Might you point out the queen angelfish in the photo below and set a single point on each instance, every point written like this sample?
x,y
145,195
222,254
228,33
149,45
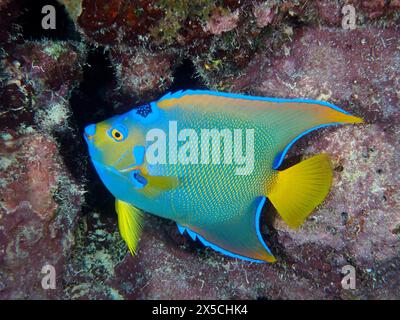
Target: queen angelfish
x,y
208,160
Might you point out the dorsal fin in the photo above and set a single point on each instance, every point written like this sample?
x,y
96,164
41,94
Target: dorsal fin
x,y
285,120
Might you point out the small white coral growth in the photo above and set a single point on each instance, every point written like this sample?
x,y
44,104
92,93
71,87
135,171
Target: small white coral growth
x,y
55,117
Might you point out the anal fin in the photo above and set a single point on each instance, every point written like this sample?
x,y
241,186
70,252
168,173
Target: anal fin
x,y
238,238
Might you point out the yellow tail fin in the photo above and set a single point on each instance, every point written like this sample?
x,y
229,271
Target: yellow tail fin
x,y
130,223
299,189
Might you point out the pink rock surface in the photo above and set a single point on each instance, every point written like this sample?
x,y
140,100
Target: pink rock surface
x,y
39,199
222,22
264,14
139,72
357,69
36,227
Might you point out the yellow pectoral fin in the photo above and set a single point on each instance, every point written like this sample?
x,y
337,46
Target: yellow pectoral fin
x,y
130,223
299,189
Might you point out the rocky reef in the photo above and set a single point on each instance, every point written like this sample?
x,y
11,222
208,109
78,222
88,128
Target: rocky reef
x,y
106,56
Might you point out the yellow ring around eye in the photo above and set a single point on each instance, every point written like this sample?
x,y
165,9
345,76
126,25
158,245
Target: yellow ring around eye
x,y
117,135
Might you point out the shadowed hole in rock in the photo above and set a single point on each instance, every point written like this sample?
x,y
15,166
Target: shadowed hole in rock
x,y
31,22
344,217
185,78
88,105
339,168
270,236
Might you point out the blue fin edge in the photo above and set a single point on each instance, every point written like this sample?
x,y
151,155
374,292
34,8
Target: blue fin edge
x,y
206,243
181,93
281,155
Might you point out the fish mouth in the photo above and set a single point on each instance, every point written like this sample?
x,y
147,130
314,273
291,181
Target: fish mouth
x,y
88,137
91,148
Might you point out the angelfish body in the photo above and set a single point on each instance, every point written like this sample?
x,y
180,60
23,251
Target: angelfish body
x,y
218,203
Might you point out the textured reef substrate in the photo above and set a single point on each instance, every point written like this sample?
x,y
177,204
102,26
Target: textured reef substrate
x,y
106,56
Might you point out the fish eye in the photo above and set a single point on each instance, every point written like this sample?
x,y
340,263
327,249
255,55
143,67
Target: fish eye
x,y
118,133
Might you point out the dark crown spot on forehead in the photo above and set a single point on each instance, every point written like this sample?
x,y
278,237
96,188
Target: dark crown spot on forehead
x,y
144,110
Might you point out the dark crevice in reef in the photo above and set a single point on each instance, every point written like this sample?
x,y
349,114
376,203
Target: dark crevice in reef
x,y
31,22
185,78
88,101
89,105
